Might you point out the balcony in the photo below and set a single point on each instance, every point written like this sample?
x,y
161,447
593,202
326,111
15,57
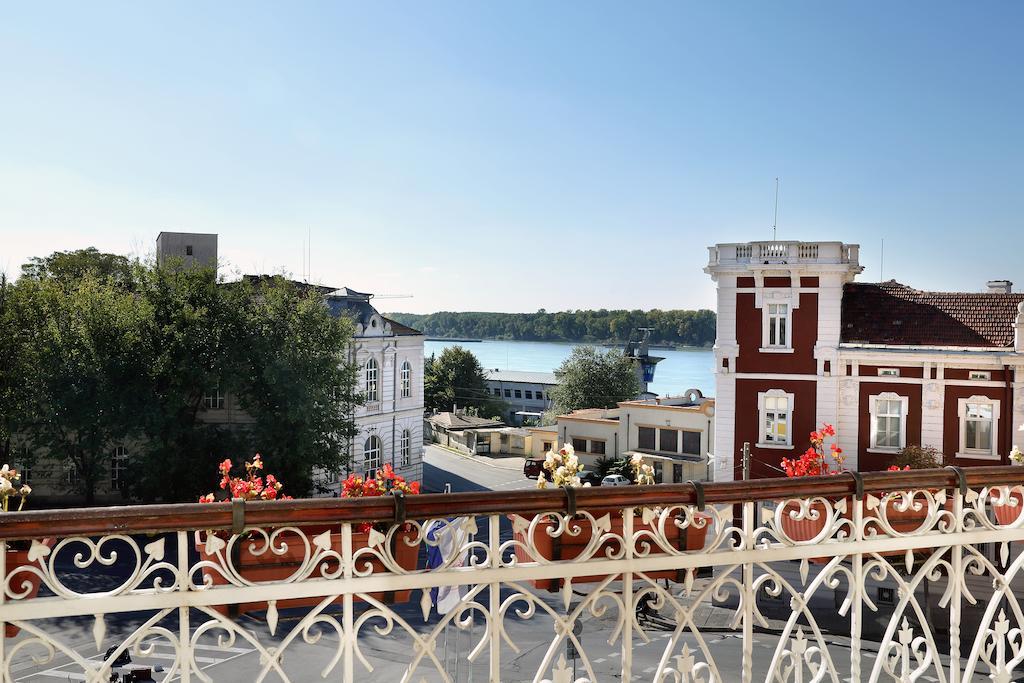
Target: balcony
x,y
780,580
783,253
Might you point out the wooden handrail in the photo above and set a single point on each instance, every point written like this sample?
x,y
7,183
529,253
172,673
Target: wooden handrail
x,y
173,517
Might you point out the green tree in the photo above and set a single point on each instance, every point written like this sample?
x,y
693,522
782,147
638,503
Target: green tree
x,y
69,267
298,382
455,378
196,341
590,378
17,366
90,350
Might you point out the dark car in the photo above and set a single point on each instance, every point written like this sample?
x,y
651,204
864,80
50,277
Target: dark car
x,y
590,477
532,468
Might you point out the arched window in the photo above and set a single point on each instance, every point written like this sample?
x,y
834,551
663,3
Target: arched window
x,y
405,446
372,383
406,380
371,457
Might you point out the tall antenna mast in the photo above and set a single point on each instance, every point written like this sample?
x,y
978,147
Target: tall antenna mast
x,y
775,219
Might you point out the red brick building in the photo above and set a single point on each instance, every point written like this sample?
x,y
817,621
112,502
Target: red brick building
x,y
800,343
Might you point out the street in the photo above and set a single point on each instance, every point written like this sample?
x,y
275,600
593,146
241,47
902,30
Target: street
x,y
471,473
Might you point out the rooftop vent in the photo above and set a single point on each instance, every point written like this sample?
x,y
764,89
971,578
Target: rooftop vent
x,y
1000,287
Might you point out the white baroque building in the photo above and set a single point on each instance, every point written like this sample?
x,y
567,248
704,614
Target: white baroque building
x,y
389,356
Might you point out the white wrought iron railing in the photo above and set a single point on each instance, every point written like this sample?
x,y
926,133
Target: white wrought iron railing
x,y
775,580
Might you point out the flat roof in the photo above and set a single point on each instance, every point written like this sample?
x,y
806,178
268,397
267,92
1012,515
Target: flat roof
x,y
521,376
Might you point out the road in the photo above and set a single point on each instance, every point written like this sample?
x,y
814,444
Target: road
x,y
471,473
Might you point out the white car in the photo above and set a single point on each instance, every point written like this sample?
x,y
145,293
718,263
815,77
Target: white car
x,y
615,480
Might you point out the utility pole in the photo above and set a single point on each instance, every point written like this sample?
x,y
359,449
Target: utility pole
x,y
746,461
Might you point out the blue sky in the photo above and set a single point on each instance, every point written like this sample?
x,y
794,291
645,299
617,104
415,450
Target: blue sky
x,y
487,156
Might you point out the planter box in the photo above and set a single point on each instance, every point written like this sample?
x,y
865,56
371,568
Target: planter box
x,y
568,547
803,530
270,567
1008,514
20,558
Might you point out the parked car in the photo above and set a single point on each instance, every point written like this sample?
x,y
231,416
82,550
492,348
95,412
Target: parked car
x,y
590,477
615,480
532,468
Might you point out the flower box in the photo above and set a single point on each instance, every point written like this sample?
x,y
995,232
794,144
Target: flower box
x,y
1008,513
569,546
803,530
269,567
24,557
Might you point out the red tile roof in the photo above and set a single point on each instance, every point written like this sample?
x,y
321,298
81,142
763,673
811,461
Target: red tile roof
x,y
895,314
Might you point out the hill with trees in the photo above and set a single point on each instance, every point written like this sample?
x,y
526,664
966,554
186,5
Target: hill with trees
x,y
672,328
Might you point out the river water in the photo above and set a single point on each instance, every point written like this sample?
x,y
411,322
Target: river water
x,y
682,369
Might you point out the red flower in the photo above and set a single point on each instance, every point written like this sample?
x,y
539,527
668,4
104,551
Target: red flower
x,y
224,467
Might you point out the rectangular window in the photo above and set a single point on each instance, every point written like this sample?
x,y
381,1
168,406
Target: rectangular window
x,y
888,423
119,469
978,427
778,317
888,372
691,443
979,375
579,445
677,474
776,419
529,394
597,447
508,393
497,392
188,250
519,393
213,400
549,446
646,436
668,440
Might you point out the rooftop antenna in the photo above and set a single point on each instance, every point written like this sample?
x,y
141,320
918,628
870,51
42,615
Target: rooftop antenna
x,y
775,219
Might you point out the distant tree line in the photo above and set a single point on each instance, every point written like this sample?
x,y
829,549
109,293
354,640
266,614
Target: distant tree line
x,y
673,328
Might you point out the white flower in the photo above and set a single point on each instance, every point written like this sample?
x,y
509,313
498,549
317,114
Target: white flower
x,y
636,460
1016,455
5,486
567,449
25,490
542,481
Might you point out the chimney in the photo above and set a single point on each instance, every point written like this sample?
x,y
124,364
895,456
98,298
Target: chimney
x,y
1018,334
1000,287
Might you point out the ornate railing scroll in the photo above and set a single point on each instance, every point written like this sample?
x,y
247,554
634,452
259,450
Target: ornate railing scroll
x,y
882,576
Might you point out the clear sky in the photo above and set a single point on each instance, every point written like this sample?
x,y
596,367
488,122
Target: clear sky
x,y
519,155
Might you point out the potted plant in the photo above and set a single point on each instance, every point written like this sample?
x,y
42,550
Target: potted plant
x,y
814,462
270,557
20,554
562,468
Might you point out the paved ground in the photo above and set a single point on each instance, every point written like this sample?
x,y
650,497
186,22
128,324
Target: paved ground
x,y
471,473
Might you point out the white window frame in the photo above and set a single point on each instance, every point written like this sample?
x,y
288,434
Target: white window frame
x,y
873,412
406,379
974,453
118,468
767,317
371,377
214,400
762,414
373,450
405,448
